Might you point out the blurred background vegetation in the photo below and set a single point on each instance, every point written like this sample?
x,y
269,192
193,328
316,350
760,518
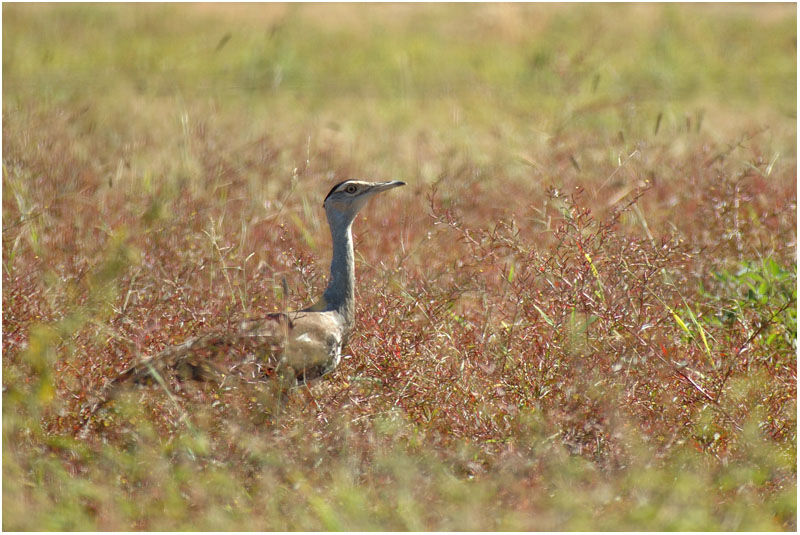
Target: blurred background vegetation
x,y
144,144
491,79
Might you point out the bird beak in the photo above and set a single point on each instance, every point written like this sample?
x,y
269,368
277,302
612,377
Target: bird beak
x,y
383,186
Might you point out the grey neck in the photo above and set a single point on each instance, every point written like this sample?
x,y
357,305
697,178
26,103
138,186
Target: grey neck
x,y
339,295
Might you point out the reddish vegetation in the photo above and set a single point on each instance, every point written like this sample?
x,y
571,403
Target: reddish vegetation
x,y
541,319
509,298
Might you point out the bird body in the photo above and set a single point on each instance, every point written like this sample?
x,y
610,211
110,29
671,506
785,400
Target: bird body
x,y
295,346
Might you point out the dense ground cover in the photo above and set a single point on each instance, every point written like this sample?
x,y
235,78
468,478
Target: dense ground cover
x,y
580,314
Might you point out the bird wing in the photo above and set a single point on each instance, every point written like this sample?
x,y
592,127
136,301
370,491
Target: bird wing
x,y
206,357
297,347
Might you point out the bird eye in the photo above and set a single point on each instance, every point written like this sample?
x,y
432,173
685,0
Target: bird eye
x,y
351,189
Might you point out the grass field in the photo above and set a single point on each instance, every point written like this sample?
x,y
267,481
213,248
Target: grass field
x,y
580,314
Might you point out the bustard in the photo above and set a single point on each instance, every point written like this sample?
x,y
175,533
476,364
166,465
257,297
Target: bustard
x,y
295,346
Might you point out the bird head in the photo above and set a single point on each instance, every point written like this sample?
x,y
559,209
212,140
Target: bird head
x,y
347,198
